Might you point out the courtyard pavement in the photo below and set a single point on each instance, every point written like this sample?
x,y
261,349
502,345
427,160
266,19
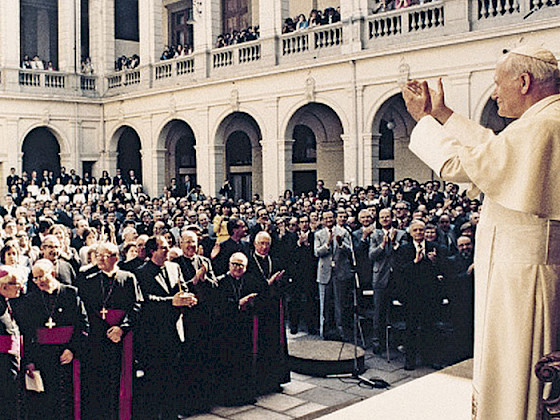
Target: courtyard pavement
x,y
308,397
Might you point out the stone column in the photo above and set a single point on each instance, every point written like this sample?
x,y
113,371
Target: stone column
x,y
217,167
9,33
271,175
207,27
457,92
457,16
10,43
102,36
353,14
68,35
375,157
350,147
272,14
151,31
367,159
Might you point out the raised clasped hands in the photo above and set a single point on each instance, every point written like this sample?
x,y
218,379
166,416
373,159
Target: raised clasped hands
x,y
420,101
200,274
184,299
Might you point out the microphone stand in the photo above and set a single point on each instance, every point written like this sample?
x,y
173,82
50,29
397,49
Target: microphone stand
x,y
374,382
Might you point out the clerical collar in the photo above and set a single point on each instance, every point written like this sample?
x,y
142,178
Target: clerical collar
x,y
110,274
260,256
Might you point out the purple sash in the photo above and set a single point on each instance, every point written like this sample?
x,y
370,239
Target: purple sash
x,y
114,317
62,335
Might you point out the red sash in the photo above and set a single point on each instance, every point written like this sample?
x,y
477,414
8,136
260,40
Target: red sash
x,y
114,317
57,336
10,344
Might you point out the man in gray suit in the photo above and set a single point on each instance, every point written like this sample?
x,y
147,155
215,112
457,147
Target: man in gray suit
x,y
383,246
334,273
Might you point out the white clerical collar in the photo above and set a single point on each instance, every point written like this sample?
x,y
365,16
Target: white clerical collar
x,y
259,255
109,274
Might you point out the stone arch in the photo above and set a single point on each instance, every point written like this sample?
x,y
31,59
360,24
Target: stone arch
x,y
246,179
178,139
327,128
391,126
41,150
128,148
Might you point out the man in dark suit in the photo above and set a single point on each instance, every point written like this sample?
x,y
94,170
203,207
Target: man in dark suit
x,y
418,265
9,207
224,250
12,178
383,246
161,331
321,192
304,296
460,289
118,177
385,197
446,234
50,248
334,274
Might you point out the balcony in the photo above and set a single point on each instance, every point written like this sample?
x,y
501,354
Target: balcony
x,y
416,24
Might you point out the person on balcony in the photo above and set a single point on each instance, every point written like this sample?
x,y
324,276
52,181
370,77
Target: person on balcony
x,y
302,23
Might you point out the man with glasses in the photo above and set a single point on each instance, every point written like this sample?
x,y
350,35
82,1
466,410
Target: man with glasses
x,y
236,306
221,253
55,327
113,300
51,249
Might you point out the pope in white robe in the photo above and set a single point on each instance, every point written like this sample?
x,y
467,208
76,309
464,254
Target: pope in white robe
x,y
517,256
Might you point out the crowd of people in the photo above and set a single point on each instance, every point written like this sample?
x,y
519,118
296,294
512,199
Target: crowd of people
x,y
36,63
127,63
195,291
387,5
316,18
172,51
251,33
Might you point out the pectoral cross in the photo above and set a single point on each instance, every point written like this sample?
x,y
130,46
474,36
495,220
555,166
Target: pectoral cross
x,y
103,312
50,323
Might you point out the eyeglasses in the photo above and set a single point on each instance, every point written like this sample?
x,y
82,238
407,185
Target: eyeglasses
x,y
106,255
237,264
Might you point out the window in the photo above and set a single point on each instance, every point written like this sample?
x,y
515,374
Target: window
x,y
304,149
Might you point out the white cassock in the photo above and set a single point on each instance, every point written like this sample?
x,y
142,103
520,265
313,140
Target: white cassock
x,y
517,255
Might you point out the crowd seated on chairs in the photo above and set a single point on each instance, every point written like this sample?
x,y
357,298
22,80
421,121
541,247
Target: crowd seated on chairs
x,y
251,33
316,18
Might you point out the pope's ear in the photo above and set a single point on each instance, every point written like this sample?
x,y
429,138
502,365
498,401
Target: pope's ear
x,y
526,82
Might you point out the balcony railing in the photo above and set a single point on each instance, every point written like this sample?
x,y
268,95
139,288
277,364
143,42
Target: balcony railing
x,y
236,55
172,68
427,19
42,79
395,27
320,40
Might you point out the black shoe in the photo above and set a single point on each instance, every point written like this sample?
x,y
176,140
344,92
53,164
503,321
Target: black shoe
x,y
377,348
294,330
409,366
